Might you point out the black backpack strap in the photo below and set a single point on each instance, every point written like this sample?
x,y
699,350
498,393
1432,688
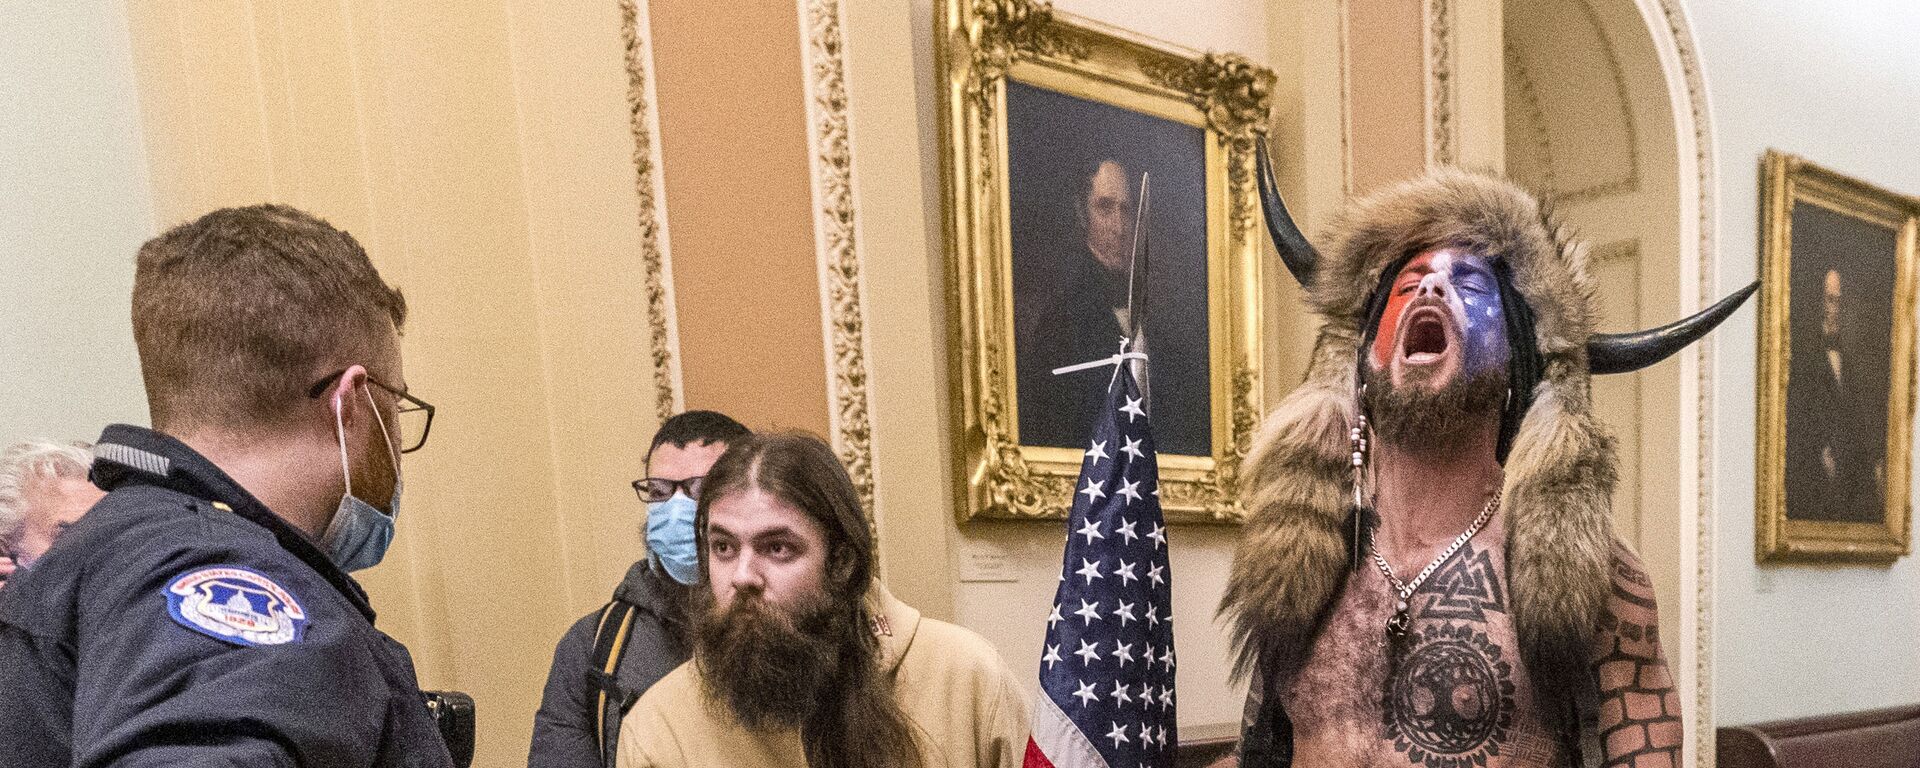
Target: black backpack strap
x,y
609,644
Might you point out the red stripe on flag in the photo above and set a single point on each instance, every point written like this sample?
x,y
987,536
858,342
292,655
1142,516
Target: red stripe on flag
x,y
1035,758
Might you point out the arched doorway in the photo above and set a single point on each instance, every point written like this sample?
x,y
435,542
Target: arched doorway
x,y
1603,112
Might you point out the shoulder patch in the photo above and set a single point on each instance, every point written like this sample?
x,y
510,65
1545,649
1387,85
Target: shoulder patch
x,y
236,605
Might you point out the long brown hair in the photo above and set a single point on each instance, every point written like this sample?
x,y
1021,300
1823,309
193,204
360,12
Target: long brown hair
x,y
800,470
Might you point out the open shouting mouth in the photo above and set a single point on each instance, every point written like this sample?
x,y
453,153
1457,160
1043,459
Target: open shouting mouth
x,y
1429,338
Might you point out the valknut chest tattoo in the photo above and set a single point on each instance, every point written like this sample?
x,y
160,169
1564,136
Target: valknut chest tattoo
x,y
1450,695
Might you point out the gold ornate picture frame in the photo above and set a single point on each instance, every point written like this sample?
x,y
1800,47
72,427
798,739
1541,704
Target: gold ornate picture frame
x,y
1031,99
1836,366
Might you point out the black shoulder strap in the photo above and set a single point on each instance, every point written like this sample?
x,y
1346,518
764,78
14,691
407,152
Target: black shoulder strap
x,y
609,643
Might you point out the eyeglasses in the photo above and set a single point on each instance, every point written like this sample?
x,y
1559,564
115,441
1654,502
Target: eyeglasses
x,y
414,414
653,489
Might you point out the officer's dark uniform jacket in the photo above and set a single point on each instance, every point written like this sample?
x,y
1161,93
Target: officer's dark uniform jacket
x,y
112,649
563,732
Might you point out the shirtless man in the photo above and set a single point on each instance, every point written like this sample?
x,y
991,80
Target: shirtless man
x,y
1429,576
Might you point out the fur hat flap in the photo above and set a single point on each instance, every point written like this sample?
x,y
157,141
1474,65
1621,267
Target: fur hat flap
x,y
1559,489
1296,485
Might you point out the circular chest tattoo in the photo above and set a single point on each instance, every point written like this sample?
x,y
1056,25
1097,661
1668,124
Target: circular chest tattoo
x,y
1449,700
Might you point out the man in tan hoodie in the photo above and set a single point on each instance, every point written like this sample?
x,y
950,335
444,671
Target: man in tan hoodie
x,y
800,656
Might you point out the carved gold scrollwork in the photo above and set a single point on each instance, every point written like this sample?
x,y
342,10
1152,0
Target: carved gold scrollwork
x,y
986,43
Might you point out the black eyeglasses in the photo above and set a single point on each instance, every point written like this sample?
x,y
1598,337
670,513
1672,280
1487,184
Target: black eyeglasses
x,y
415,415
652,489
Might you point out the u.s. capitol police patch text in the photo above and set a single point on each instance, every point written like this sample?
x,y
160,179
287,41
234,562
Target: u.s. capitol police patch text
x,y
237,605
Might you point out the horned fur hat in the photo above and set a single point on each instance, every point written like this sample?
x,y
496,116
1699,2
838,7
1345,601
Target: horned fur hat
x,y
1297,482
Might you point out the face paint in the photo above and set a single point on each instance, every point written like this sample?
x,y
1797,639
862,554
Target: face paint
x,y
1444,302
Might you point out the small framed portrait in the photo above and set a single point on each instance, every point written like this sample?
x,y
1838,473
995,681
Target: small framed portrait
x,y
1836,366
1050,123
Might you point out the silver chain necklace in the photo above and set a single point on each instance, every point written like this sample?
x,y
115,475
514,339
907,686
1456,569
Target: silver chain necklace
x,y
1397,626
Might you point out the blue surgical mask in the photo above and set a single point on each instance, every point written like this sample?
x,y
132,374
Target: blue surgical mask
x,y
670,537
360,533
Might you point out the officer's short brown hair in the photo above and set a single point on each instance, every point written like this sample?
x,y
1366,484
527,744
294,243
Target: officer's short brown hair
x,y
237,313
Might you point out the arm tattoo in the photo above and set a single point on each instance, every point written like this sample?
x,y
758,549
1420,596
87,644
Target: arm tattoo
x,y
1639,710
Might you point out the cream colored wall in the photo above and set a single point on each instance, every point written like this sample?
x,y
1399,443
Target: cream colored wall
x,y
77,206
481,153
1836,84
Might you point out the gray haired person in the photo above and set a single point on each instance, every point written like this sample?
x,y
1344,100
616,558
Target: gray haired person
x,y
43,489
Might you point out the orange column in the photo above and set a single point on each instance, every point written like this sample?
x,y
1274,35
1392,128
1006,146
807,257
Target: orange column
x,y
733,147
1386,78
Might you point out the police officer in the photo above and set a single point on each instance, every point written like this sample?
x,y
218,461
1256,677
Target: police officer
x,y
202,613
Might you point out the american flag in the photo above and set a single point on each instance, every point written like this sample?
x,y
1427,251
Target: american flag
x,y
1106,670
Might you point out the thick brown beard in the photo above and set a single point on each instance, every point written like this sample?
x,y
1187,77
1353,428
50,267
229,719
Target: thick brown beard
x,y
1422,419
766,666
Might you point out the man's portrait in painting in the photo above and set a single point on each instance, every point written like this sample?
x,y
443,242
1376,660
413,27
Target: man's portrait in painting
x,y
1839,373
1073,179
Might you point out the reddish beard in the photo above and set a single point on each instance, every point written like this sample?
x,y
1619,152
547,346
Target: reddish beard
x,y
1423,416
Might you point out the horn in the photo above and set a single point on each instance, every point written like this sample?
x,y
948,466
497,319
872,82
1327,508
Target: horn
x,y
1629,352
1299,255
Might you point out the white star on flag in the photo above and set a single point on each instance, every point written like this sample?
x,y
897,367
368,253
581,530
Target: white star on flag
x,y
1091,530
1113,506
1087,653
1089,569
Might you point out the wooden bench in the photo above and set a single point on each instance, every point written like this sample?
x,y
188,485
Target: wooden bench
x,y
1881,738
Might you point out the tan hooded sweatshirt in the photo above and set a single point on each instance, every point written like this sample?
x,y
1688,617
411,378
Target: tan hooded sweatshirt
x,y
965,706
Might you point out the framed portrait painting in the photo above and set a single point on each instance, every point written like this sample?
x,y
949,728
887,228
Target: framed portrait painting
x,y
1049,124
1836,366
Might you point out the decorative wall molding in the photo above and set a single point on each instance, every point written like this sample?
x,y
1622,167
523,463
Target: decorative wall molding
x,y
842,289
1442,88
656,264
1535,114
1346,104
1539,134
1666,16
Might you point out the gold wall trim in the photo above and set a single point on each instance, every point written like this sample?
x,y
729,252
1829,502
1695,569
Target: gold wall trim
x,y
984,43
1442,87
655,264
844,309
1346,103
